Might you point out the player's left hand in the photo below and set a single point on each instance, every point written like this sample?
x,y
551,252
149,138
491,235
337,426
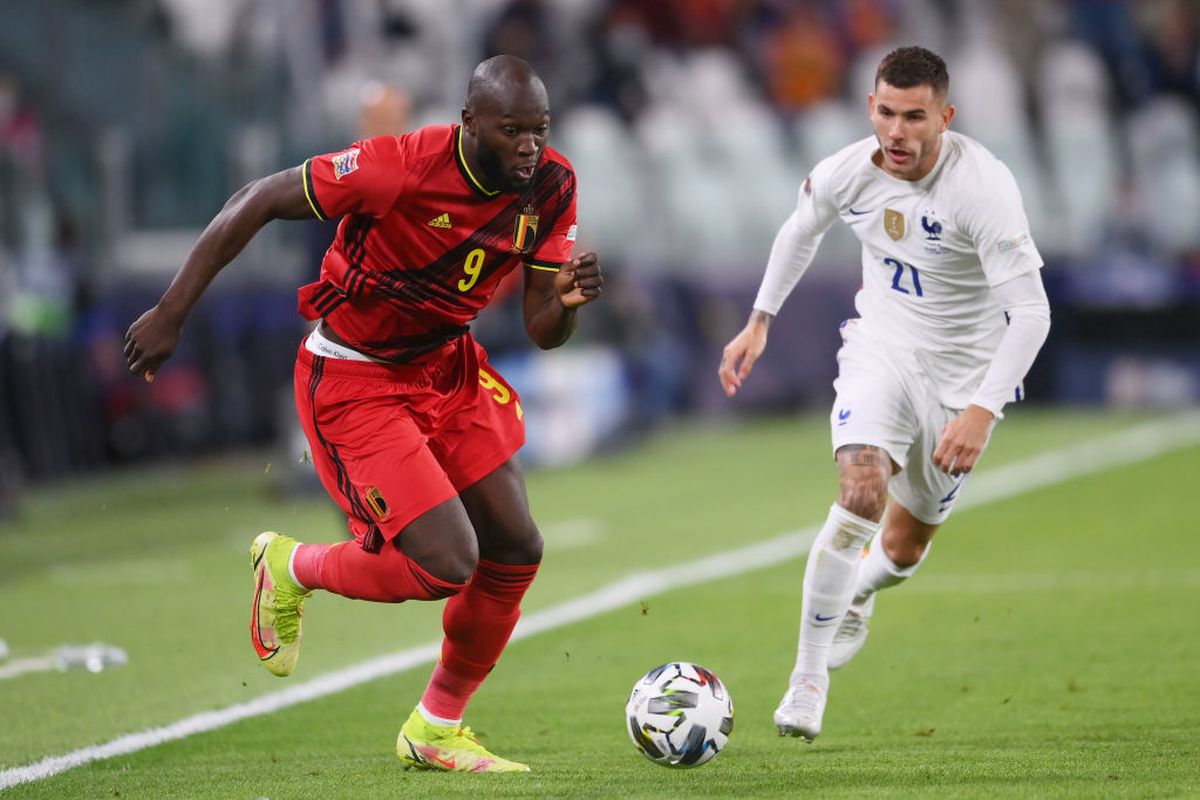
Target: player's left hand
x,y
579,282
962,441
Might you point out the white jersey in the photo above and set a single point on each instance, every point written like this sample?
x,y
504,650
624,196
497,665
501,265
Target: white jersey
x,y
931,251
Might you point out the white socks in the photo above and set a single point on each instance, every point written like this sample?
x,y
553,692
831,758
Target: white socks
x,y
434,719
879,572
829,585
292,568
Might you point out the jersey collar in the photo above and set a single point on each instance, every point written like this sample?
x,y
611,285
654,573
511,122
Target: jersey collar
x,y
461,159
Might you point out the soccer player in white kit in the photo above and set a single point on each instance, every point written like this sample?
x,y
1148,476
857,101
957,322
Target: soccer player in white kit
x,y
952,313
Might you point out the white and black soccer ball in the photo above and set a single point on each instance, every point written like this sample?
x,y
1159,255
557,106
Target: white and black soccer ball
x,y
679,715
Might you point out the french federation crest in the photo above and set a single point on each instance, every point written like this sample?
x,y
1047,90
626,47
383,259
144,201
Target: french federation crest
x,y
525,231
893,223
932,226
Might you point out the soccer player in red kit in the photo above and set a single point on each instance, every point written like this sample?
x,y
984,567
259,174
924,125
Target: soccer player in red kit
x,y
412,433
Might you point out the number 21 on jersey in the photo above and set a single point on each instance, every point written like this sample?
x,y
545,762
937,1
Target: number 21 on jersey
x,y
902,281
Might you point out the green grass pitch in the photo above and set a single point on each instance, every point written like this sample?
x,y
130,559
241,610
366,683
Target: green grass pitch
x,y
1049,647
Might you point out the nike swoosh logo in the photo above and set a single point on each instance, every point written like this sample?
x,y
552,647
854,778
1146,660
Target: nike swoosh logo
x,y
859,213
820,618
260,647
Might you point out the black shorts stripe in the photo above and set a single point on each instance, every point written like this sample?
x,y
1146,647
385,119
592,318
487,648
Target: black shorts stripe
x,y
343,477
431,589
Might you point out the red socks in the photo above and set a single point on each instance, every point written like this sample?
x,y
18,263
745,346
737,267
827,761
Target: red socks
x,y
477,622
478,618
388,576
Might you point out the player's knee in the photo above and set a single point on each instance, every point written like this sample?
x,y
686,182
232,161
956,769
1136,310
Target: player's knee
x,y
450,564
864,496
906,550
528,547
456,567
519,542
442,542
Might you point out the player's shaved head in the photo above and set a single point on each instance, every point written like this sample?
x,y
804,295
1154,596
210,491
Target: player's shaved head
x,y
499,79
506,121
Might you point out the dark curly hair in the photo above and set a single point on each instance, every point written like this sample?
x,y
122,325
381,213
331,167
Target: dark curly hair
x,y
906,67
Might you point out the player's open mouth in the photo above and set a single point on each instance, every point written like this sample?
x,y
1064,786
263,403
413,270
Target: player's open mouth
x,y
526,172
899,156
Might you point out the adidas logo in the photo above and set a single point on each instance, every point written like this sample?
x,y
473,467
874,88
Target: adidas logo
x,y
440,221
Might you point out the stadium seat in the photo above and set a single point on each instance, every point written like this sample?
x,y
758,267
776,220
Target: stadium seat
x,y
821,131
1081,149
606,161
691,197
1164,146
991,106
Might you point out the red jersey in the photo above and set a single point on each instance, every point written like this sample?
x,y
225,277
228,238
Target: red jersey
x,y
423,244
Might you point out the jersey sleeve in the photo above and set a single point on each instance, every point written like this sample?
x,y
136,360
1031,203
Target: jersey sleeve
x,y
1000,229
556,249
796,242
364,179
816,207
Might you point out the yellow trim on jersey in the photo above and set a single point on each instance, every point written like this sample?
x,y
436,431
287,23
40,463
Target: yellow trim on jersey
x,y
304,175
462,159
542,268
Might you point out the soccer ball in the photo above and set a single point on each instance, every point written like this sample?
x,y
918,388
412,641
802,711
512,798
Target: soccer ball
x,y
679,715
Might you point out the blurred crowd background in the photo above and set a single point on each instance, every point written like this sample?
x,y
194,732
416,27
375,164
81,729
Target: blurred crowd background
x,y
125,124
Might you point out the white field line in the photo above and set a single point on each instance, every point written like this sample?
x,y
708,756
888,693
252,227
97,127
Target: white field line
x,y
23,666
1125,447
572,533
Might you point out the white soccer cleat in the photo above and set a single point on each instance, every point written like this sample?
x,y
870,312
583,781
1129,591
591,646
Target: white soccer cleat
x,y
801,709
851,633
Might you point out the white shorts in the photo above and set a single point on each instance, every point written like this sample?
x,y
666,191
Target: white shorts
x,y
880,403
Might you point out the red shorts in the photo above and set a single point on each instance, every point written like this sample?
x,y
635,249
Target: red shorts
x,y
391,441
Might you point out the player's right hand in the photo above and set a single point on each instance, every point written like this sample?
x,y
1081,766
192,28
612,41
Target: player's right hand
x,y
150,341
740,354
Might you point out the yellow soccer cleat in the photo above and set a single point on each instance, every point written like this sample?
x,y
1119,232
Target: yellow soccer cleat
x,y
278,604
451,748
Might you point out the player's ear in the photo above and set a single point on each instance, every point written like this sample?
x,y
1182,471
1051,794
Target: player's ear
x,y
468,121
947,115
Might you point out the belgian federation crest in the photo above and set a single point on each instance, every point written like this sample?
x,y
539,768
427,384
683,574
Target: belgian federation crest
x,y
525,231
376,503
893,223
